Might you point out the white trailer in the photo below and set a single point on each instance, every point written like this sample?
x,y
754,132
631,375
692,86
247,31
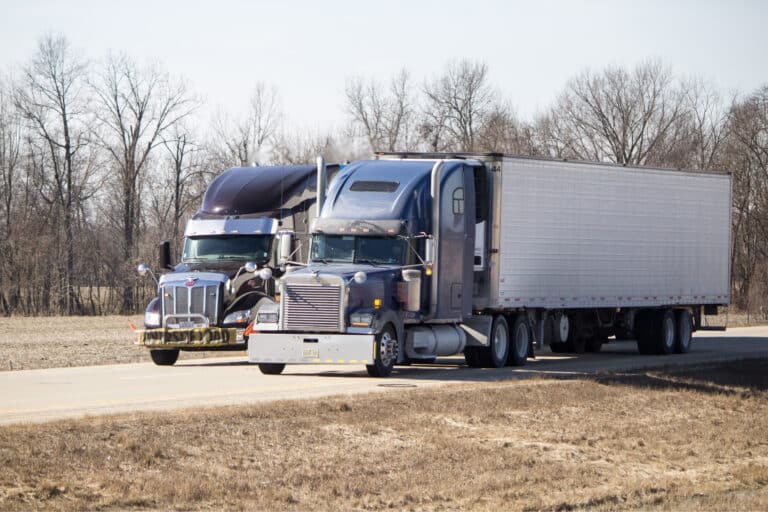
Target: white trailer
x,y
585,235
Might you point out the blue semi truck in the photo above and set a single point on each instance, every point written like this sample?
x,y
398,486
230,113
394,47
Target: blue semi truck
x,y
416,256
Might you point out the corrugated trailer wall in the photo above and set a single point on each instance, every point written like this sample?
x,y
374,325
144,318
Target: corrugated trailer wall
x,y
593,235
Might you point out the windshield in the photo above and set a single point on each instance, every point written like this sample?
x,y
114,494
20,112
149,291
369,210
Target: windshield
x,y
233,248
358,249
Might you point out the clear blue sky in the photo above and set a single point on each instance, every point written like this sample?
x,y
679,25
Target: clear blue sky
x,y
307,49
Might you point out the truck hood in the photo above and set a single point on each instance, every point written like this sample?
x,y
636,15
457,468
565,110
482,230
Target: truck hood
x,y
380,283
195,276
348,270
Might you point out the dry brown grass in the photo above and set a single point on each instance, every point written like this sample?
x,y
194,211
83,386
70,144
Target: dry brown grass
x,y
687,442
55,342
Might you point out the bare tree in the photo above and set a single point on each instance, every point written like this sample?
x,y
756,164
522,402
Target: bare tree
x,y
385,115
52,97
625,117
707,117
137,107
10,156
747,153
185,173
241,139
457,106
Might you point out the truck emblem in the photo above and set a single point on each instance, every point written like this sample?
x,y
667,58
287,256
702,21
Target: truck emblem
x,y
190,281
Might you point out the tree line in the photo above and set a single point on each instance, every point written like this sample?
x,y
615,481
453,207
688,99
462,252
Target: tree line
x,y
101,160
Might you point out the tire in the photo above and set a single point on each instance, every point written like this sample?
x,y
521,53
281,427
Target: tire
x,y
473,357
271,368
576,343
596,342
386,353
560,332
521,342
164,357
656,332
498,348
558,348
684,332
665,341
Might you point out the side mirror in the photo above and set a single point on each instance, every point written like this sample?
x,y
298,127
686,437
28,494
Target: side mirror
x,y
164,258
284,246
143,269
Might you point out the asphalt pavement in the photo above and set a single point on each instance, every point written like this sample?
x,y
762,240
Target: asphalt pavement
x,y
44,395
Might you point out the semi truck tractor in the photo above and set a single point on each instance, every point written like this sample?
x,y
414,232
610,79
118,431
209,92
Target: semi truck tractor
x,y
416,256
251,229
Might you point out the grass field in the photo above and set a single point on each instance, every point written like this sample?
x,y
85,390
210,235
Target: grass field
x,y
689,440
53,342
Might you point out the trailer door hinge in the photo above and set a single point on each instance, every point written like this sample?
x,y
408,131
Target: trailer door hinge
x,y
493,251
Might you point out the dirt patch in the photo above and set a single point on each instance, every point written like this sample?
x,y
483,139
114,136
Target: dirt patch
x,y
521,445
54,342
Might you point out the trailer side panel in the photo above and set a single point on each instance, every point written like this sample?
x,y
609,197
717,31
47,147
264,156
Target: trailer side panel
x,y
578,235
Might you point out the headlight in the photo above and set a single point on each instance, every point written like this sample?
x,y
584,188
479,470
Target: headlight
x,y
268,314
151,319
238,317
361,318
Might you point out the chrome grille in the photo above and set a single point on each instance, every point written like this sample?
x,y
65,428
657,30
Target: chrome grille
x,y
192,300
312,307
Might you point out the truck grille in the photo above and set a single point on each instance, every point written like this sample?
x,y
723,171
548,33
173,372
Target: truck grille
x,y
189,300
312,307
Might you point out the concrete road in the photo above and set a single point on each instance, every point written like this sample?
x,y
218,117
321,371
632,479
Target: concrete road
x,y
43,395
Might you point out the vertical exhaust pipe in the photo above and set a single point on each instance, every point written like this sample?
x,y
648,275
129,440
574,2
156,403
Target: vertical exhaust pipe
x,y
321,184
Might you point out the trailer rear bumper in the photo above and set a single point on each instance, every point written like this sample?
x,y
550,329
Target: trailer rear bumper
x,y
194,338
307,348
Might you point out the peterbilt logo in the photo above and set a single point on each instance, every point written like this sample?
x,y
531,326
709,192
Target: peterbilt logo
x,y
190,281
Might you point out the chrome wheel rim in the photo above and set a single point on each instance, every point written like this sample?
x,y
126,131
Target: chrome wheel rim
x,y
387,349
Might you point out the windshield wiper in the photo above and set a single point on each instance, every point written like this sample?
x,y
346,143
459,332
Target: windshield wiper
x,y
368,261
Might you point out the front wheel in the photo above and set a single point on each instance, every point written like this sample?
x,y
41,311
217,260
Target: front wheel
x,y
164,357
271,368
386,353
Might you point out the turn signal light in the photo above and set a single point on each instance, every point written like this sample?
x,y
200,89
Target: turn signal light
x,y
249,330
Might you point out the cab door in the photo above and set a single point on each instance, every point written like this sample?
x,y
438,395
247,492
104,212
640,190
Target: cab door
x,y
455,242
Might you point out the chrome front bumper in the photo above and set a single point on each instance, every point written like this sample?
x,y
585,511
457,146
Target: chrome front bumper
x,y
307,348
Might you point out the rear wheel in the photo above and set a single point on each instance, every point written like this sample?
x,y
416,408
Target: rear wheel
x,y
684,332
666,341
271,368
655,331
164,357
386,353
561,329
521,341
499,346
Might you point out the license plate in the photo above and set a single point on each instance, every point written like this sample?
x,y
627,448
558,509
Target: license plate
x,y
312,352
186,325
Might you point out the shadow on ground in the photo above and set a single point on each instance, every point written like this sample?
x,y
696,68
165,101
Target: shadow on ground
x,y
740,377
